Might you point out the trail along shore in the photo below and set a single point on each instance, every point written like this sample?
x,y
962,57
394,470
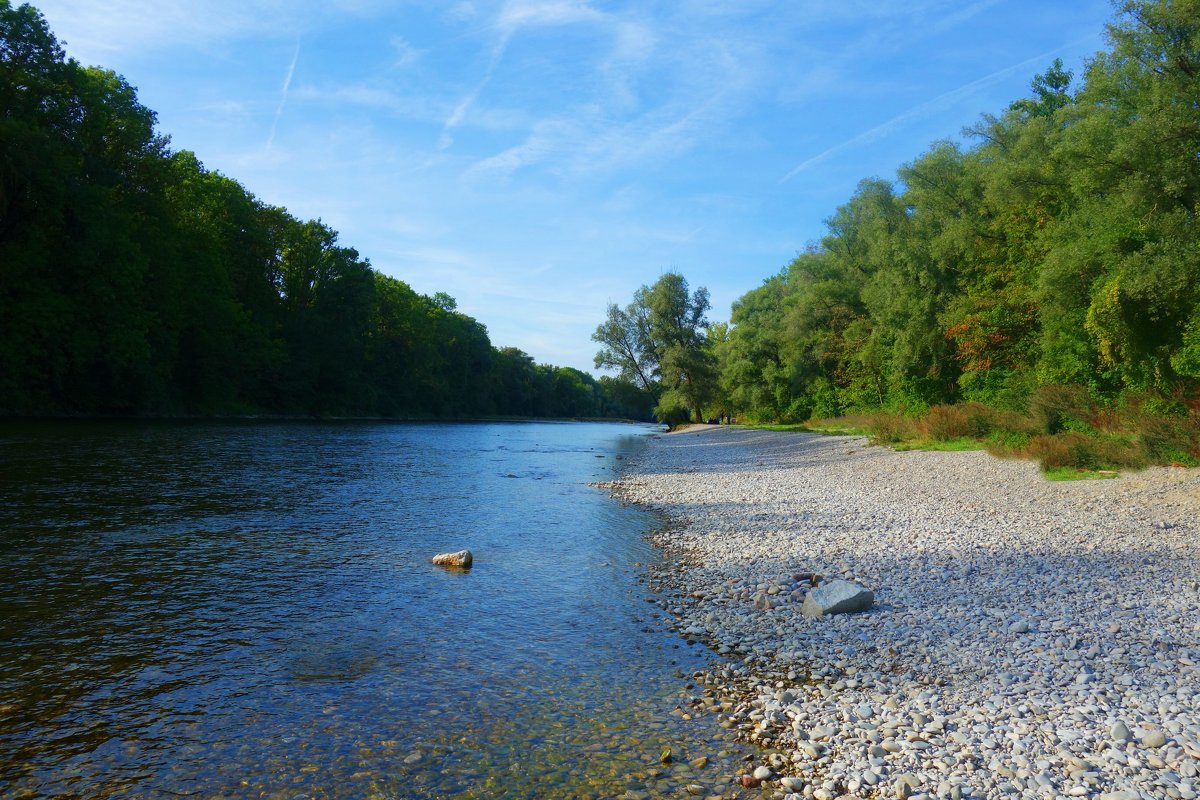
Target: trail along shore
x,y
1029,639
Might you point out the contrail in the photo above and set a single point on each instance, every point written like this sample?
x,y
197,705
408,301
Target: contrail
x,y
924,110
460,111
287,83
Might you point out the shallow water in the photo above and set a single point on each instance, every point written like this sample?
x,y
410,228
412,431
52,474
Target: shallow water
x,y
248,610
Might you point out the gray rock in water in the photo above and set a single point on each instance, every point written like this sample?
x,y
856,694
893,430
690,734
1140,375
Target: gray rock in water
x,y
461,560
837,597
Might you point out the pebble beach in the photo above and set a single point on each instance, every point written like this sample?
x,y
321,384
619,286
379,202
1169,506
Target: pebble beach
x,y
1029,638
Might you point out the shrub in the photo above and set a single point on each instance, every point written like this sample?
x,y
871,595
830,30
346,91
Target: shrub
x,y
825,401
1007,443
1167,437
890,428
1080,451
1053,408
968,420
672,409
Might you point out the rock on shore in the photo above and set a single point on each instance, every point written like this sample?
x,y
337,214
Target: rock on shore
x,y
1029,638
837,597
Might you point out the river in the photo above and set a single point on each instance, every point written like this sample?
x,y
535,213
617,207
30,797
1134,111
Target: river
x,y
248,610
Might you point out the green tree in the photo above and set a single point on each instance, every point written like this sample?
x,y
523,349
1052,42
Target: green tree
x,y
658,341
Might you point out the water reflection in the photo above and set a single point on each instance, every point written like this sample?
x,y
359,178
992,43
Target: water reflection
x,y
248,610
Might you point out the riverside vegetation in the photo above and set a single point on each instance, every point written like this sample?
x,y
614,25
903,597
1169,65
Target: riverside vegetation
x,y
1038,290
133,280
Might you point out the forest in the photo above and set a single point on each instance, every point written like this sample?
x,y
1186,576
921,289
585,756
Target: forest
x,y
135,281
1049,267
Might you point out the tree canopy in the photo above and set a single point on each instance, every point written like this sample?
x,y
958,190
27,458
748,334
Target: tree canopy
x,y
660,343
134,280
1061,247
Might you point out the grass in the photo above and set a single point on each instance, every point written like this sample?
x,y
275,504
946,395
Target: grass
x,y
841,426
785,427
1076,474
957,444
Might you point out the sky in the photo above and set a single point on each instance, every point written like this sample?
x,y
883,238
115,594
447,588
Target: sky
x,y
539,159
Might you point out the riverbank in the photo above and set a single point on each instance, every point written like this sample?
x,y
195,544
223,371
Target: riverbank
x,y
1029,638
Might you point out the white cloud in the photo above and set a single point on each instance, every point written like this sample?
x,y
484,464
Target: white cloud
x,y
514,16
517,14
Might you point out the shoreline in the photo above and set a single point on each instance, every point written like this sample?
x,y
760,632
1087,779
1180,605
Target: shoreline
x,y
1030,638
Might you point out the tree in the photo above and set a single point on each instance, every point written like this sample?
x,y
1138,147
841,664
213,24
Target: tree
x,y
1051,93
625,337
658,341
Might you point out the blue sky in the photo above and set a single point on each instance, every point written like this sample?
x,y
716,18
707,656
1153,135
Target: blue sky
x,y
537,159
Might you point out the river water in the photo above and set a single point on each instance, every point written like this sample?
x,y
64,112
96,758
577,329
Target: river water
x,y
248,610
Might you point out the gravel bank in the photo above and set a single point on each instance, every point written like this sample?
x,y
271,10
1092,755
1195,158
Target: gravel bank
x,y
1030,639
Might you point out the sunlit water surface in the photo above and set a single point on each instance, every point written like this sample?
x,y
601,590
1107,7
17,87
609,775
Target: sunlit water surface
x,y
248,610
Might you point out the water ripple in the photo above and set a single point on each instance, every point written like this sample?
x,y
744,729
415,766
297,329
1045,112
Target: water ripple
x,y
249,610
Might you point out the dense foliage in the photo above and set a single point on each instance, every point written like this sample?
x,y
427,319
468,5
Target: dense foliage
x,y
134,280
1061,249
660,343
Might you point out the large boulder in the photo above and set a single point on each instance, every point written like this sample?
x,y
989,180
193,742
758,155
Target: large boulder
x,y
837,597
460,560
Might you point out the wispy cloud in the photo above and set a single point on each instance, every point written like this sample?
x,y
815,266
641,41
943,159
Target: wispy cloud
x,y
694,90
406,54
924,110
287,84
961,15
514,16
521,13
96,32
464,105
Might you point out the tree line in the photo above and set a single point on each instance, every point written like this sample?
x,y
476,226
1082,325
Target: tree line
x,y
1059,249
133,280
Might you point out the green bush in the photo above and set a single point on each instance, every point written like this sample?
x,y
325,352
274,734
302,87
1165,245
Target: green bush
x,y
825,401
1080,451
1167,438
1054,408
1007,442
672,409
